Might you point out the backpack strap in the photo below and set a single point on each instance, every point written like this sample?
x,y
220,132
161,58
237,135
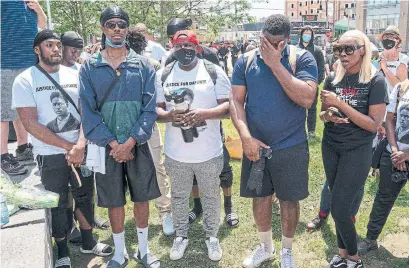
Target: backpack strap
x,y
250,56
166,71
211,70
293,58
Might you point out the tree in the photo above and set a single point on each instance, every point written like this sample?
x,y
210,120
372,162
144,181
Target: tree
x,y
82,16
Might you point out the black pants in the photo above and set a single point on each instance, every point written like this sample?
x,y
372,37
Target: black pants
x,y
385,198
312,115
225,65
346,173
55,176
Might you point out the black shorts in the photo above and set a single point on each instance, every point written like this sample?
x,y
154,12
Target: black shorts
x,y
285,174
55,176
138,174
226,176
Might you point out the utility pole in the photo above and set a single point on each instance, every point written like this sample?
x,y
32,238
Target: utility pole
x,y
49,22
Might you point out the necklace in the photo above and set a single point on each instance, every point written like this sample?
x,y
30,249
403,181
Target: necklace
x,y
355,80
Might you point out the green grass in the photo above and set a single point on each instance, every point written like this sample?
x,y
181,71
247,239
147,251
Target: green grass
x,y
311,249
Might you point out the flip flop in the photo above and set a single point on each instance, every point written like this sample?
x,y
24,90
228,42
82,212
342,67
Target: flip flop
x,y
101,223
232,219
115,264
98,250
148,261
63,262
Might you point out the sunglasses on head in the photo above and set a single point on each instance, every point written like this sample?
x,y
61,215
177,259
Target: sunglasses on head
x,y
349,49
112,24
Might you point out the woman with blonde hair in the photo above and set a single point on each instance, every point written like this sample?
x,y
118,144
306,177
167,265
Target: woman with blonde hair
x,y
353,107
393,63
393,164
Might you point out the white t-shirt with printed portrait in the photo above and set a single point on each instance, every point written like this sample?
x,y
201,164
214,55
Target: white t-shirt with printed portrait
x,y
402,117
209,143
32,88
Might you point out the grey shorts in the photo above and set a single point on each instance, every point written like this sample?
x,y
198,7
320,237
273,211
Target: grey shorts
x,y
285,174
7,79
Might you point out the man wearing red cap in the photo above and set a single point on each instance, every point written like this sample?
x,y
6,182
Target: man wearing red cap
x,y
193,144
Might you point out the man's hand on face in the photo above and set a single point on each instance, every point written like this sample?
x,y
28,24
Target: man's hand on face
x,y
271,55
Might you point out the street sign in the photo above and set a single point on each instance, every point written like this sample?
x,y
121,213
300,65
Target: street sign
x,y
309,17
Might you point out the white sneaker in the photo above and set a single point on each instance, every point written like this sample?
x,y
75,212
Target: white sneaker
x,y
178,248
213,248
287,259
257,257
167,225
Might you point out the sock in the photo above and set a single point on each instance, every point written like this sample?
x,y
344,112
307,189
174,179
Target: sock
x,y
120,250
286,242
322,214
142,241
88,241
267,239
197,205
62,247
227,204
21,148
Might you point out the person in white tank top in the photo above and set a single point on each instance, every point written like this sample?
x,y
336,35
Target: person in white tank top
x,y
392,63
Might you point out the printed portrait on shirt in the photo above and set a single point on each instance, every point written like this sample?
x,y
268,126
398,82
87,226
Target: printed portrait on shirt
x,y
403,129
64,120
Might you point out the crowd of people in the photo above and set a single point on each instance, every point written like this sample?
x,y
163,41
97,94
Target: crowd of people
x,y
100,119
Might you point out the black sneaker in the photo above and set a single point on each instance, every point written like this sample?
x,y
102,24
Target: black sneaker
x,y
338,262
26,155
367,245
316,223
355,264
11,166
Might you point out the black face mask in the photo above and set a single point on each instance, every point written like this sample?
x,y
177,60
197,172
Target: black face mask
x,y
185,56
388,44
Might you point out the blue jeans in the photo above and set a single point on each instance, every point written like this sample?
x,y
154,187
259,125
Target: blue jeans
x,y
325,203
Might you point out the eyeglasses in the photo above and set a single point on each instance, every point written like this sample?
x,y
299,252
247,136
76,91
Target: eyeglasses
x,y
349,50
112,25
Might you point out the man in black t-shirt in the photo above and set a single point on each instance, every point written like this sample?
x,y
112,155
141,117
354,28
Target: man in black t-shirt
x,y
234,54
222,52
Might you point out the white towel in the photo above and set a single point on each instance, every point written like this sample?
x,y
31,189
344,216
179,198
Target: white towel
x,y
96,158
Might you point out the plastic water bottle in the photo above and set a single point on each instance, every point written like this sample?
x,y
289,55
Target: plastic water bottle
x,y
4,212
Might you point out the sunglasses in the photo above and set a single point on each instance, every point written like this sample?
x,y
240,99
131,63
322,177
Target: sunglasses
x,y
349,50
112,24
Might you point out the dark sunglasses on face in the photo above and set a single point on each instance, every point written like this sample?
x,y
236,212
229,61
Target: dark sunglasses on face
x,y
112,24
349,50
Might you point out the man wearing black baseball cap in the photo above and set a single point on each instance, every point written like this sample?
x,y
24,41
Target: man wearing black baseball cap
x,y
72,47
46,98
117,91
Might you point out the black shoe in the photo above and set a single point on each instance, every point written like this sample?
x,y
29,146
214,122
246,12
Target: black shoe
x,y
338,262
367,245
26,155
75,237
355,264
316,223
11,166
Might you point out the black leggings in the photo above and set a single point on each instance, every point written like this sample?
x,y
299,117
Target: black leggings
x,y
346,173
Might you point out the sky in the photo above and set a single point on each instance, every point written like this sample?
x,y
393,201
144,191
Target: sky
x,y
265,8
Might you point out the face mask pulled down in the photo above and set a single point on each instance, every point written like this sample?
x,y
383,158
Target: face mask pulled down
x,y
185,56
388,44
109,43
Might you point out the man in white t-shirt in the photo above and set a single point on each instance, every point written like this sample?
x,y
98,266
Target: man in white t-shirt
x,y
153,50
73,45
191,148
51,116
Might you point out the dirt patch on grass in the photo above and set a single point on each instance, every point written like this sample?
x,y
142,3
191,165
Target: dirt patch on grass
x,y
397,244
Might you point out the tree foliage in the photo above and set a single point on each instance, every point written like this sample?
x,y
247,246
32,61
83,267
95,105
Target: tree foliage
x,y
82,16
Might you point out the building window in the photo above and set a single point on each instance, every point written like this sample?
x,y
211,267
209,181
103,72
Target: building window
x,y
346,5
306,12
306,3
312,11
292,14
300,4
352,5
312,2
